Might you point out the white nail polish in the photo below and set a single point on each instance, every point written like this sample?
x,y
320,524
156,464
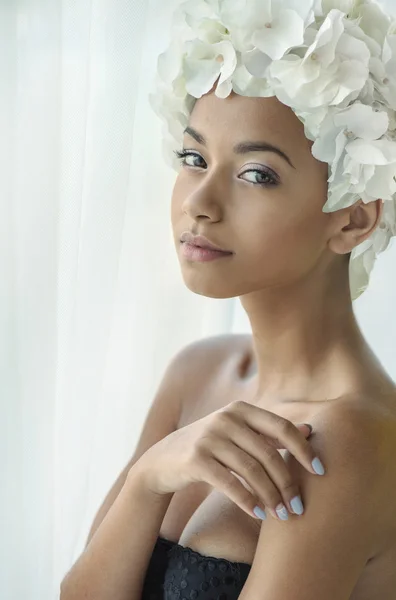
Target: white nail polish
x,y
281,511
317,466
259,513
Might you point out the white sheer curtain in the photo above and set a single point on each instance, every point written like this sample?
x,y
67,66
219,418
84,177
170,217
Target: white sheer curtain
x,y
92,305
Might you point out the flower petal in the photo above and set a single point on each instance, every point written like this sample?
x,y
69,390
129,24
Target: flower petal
x,y
286,31
200,74
256,62
352,48
169,63
382,185
327,147
247,15
377,152
204,63
229,63
246,85
345,6
327,38
363,121
373,21
304,9
350,79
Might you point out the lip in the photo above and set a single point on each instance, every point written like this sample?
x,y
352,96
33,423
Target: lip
x,y
201,242
198,254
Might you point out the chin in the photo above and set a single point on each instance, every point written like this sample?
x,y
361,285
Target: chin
x,y
207,286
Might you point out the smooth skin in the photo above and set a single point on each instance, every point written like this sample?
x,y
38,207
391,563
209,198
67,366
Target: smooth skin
x,y
289,268
290,260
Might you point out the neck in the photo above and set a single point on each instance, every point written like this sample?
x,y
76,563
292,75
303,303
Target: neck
x,y
307,345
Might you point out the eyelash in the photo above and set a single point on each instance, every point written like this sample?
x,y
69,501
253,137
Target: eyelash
x,y
182,154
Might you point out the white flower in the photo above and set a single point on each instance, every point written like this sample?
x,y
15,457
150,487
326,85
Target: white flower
x,y
283,30
373,21
353,28
339,126
264,30
346,6
377,152
374,164
169,64
361,164
245,84
389,217
312,120
280,33
202,20
240,17
333,70
382,184
203,63
367,172
384,71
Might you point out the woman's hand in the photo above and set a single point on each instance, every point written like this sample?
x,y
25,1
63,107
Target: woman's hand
x,y
240,438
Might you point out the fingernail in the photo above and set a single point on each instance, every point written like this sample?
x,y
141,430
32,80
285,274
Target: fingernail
x,y
297,505
317,466
259,513
281,511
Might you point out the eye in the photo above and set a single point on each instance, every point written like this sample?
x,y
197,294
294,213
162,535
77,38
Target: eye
x,y
272,179
183,154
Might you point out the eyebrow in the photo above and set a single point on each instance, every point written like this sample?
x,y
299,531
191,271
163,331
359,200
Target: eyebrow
x,y
242,147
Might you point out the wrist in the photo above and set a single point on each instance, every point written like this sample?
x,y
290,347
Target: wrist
x,y
139,479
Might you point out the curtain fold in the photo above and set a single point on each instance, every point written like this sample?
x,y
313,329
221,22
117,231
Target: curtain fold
x,y
93,305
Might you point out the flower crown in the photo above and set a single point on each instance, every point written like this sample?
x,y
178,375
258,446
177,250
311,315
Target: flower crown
x,y
333,62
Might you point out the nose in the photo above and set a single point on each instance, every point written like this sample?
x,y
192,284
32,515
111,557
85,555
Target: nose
x,y
201,208
203,199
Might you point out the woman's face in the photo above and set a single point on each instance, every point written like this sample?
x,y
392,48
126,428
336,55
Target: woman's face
x,y
264,208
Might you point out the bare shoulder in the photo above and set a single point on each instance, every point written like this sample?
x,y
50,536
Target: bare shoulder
x,y
222,343
368,426
372,427
203,362
364,431
209,353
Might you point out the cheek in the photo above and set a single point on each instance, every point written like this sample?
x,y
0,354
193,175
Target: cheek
x,y
286,242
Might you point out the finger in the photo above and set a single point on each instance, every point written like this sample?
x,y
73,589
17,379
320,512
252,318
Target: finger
x,y
281,430
221,478
254,471
260,465
306,430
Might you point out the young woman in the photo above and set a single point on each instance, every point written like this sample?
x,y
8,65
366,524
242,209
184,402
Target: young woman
x,y
224,435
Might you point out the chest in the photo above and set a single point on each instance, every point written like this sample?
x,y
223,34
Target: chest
x,y
207,521
202,512
216,393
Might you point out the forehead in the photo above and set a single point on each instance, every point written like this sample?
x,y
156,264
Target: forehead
x,y
238,118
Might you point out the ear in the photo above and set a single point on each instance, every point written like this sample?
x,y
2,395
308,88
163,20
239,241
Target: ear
x,y
353,225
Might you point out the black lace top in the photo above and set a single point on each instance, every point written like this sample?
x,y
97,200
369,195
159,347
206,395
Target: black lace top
x,y
178,573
